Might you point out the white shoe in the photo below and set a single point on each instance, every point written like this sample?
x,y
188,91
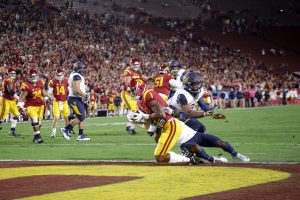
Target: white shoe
x,y
65,133
220,160
242,158
53,135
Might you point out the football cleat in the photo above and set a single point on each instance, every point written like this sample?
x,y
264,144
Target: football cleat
x,y
65,133
82,138
194,160
12,132
220,160
37,139
242,158
132,132
53,135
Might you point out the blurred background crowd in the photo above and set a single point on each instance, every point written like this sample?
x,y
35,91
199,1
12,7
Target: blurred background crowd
x,y
48,37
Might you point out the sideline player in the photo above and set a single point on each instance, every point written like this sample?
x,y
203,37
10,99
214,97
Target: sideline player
x,y
9,101
33,93
58,92
93,106
111,106
76,99
131,73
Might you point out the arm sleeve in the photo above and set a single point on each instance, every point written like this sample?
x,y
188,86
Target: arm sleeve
x,y
203,105
76,78
174,83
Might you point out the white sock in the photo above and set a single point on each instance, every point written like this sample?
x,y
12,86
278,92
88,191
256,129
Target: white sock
x,y
176,158
132,125
37,132
14,123
54,131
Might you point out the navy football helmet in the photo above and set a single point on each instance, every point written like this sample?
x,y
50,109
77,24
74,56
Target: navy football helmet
x,y
192,83
79,67
174,67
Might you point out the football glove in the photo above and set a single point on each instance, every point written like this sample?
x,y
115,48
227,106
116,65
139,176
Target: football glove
x,y
139,117
218,116
86,98
169,111
22,109
208,113
152,129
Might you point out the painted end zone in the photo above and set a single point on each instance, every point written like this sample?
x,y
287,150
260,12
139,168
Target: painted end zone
x,y
140,181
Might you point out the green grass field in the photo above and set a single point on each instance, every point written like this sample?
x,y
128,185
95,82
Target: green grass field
x,y
264,134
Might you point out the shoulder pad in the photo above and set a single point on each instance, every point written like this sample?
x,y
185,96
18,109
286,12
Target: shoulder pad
x,y
76,77
181,100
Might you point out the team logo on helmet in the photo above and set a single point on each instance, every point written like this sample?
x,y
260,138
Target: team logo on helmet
x,y
192,83
33,76
174,67
135,64
11,73
79,67
59,75
137,88
164,69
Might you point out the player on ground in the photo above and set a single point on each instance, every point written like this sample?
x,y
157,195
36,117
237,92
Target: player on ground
x,y
183,102
33,93
58,92
9,101
151,108
131,73
76,99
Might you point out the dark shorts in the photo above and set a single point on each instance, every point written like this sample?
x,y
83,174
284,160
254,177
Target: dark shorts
x,y
204,140
77,106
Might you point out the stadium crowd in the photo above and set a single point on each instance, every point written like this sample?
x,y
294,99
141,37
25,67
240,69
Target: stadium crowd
x,y
49,39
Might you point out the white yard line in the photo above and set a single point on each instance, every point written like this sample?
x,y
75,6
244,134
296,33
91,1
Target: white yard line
x,y
137,161
139,144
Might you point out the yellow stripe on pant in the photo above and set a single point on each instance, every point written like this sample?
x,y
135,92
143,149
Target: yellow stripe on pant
x,y
169,136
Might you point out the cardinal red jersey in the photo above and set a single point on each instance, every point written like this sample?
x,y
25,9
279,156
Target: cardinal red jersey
x,y
93,97
148,96
8,82
60,89
34,96
133,75
161,83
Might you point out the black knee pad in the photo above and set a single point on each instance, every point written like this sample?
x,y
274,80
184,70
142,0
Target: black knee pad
x,y
34,124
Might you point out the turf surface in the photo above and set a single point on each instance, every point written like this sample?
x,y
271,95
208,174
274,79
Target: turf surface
x,y
264,134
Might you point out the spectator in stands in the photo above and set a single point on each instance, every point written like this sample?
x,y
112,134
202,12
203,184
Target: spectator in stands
x,y
247,98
